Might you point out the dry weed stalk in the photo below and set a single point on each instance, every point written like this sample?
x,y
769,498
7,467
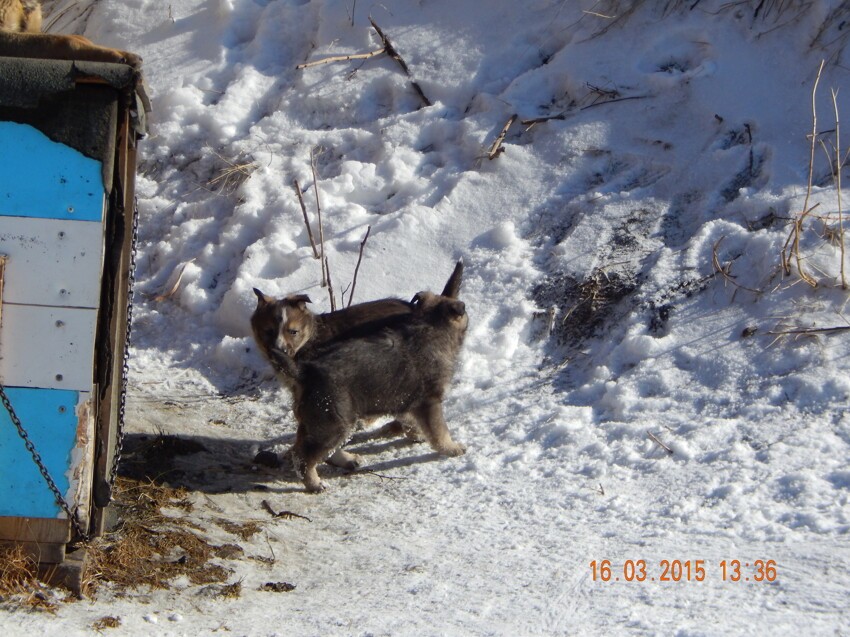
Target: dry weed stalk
x,y
655,439
297,188
229,179
496,147
792,244
726,270
357,267
839,164
19,579
326,275
387,47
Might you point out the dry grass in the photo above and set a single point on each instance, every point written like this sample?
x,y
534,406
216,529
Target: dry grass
x,y
150,549
19,580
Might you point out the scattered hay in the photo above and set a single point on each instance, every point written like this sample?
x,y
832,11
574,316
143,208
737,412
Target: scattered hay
x,y
148,548
106,622
19,580
244,530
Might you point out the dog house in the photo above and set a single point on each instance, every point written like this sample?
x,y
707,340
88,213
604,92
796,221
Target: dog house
x,y
68,135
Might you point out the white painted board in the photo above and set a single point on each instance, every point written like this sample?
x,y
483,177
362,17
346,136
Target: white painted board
x,y
52,261
47,347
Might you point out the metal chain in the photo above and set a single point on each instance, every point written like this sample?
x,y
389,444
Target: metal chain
x,y
60,500
125,363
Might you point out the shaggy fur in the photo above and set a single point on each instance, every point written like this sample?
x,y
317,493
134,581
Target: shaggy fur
x,y
403,370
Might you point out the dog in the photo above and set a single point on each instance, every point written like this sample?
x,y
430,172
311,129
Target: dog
x,y
402,370
288,325
21,36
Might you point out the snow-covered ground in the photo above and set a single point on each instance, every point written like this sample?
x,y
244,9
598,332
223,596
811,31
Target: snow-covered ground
x,y
601,327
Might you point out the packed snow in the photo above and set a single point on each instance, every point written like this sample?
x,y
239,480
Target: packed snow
x,y
641,379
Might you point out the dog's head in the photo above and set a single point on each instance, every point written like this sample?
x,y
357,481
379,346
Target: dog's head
x,y
283,324
442,311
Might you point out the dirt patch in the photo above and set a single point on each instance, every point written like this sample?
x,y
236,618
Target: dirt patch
x,y
584,306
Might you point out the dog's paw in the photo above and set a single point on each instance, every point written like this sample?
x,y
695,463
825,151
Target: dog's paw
x,y
454,449
315,487
345,460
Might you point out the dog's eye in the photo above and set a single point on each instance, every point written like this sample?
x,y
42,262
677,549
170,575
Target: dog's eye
x,y
293,332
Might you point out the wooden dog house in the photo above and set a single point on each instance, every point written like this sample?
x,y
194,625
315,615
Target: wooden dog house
x,y
68,135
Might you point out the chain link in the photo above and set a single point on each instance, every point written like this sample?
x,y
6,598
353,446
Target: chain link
x,y
60,500
125,363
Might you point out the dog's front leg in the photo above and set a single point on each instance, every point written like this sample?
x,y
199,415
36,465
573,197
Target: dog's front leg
x,y
430,418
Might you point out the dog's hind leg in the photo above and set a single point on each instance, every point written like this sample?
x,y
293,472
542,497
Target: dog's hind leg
x,y
430,418
345,460
405,425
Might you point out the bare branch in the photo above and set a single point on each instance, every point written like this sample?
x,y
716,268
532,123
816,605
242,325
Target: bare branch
x,y
357,267
659,443
496,148
306,220
341,58
394,54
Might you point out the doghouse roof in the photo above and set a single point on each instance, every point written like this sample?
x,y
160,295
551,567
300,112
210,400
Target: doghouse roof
x,y
73,102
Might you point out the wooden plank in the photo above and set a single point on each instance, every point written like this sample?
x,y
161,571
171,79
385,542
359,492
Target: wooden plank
x,y
52,261
2,279
43,178
113,318
50,419
47,347
41,551
40,530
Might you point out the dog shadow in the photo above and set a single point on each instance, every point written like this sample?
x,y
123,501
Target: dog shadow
x,y
231,465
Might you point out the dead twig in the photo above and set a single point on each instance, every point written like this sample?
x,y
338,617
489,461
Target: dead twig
x,y
306,220
811,330
659,443
176,285
357,267
381,476
341,58
326,275
394,54
839,164
287,515
327,269
496,148
726,271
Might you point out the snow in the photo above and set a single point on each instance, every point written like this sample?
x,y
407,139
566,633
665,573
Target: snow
x,y
683,141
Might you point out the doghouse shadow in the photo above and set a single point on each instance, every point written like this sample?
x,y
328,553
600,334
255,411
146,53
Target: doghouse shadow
x,y
216,465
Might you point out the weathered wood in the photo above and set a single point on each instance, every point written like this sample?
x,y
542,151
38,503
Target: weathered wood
x,y
37,530
113,321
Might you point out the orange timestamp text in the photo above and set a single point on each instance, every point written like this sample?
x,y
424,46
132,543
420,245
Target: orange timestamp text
x,y
735,570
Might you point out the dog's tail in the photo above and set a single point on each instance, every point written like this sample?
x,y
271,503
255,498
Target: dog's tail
x,y
283,363
452,288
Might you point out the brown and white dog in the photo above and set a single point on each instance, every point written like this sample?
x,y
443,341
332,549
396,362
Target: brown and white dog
x,y
402,370
21,36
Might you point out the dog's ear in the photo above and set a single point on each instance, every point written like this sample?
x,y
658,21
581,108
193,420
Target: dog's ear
x,y
455,308
298,300
262,299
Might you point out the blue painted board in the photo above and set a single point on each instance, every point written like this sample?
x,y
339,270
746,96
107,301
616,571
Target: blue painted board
x,y
45,179
49,417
